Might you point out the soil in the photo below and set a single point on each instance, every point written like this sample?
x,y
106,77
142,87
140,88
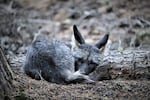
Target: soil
x,y
125,19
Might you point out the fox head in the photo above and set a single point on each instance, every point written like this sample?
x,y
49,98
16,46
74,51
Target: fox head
x,y
87,56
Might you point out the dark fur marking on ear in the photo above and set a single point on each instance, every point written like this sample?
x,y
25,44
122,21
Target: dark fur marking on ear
x,y
103,41
77,35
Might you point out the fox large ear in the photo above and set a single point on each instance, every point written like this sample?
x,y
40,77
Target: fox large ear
x,y
102,42
77,35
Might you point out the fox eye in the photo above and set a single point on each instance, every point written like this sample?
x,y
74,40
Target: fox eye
x,y
80,60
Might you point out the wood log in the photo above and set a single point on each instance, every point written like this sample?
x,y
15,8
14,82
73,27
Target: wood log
x,y
129,57
6,77
127,64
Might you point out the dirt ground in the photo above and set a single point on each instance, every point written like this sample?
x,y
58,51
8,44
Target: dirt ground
x,y
122,19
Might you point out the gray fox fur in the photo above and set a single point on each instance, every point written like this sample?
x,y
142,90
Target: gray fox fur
x,y
54,61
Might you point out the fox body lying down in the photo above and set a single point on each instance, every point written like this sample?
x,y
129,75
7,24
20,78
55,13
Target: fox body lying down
x,y
55,62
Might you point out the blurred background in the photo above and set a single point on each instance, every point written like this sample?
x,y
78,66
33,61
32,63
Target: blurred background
x,y
127,21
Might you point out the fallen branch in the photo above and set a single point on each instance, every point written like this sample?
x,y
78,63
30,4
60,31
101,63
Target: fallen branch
x,y
6,76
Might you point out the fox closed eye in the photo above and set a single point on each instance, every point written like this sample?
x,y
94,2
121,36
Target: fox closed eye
x,y
93,63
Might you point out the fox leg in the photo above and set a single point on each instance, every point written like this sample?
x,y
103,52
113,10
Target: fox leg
x,y
77,77
34,73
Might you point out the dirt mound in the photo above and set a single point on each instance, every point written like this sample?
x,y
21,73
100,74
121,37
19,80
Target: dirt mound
x,y
111,89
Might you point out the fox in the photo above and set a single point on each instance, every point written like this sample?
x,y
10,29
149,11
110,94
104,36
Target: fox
x,y
55,62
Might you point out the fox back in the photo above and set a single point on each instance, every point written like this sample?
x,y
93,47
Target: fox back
x,y
55,62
